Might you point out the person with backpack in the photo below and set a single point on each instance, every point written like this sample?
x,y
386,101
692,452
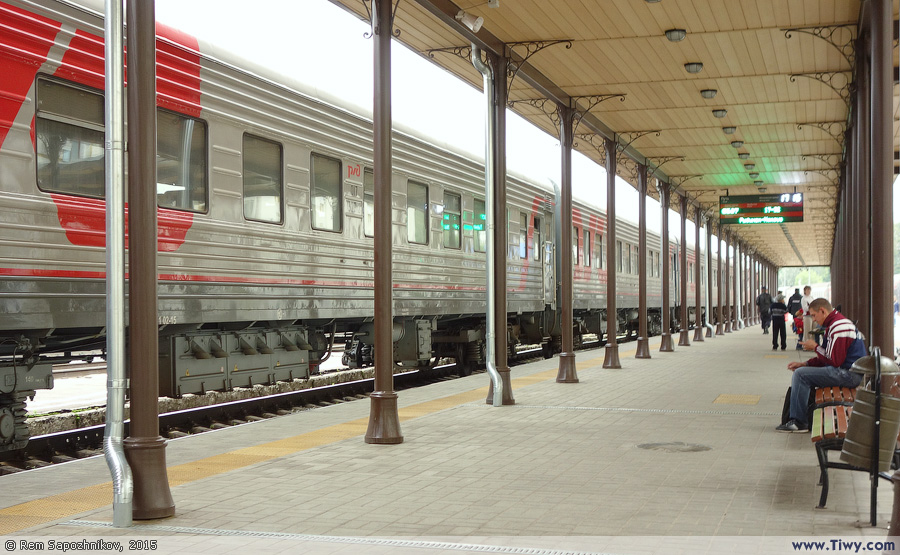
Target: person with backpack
x,y
829,368
793,303
764,302
779,310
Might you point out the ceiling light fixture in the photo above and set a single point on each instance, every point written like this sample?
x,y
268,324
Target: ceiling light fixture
x,y
750,166
709,93
720,112
473,23
743,155
754,175
676,35
737,144
493,3
729,130
693,67
758,183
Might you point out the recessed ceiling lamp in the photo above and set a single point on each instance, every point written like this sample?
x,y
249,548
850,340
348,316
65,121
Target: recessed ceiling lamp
x,y
729,130
754,175
737,144
743,155
676,35
720,113
709,93
653,1
493,3
693,67
750,166
758,183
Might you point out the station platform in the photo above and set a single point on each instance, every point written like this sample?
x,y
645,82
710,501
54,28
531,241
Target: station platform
x,y
675,454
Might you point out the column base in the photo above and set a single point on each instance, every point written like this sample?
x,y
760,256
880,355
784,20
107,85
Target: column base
x,y
567,373
683,340
709,332
384,419
698,334
147,458
720,329
727,327
665,343
611,359
643,348
506,391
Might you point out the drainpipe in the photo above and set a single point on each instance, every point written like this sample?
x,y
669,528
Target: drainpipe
x,y
114,432
490,253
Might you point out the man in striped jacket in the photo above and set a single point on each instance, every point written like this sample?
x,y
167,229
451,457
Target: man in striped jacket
x,y
831,365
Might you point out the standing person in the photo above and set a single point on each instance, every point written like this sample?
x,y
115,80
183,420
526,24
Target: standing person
x,y
763,302
779,309
794,302
807,317
831,365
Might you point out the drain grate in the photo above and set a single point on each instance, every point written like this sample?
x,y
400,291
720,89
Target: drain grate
x,y
675,447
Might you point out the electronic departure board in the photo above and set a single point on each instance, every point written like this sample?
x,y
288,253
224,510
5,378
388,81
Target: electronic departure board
x,y
761,209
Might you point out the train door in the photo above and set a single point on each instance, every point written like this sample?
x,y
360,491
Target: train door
x,y
544,251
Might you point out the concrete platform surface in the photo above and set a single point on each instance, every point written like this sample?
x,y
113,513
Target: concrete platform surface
x,y
676,454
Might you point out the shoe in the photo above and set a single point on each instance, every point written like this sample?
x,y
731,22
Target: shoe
x,y
774,348
783,348
793,426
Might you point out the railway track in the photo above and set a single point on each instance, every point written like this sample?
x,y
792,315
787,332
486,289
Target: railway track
x,y
61,447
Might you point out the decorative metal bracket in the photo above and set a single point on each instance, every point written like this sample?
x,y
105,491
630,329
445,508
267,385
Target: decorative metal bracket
x,y
679,180
631,136
592,139
545,105
833,80
841,37
661,161
835,129
553,111
532,47
374,29
593,101
463,52
830,160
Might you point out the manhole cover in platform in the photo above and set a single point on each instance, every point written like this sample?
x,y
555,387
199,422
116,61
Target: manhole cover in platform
x,y
674,447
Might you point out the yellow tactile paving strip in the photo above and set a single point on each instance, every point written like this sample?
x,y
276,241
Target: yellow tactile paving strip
x,y
64,505
731,399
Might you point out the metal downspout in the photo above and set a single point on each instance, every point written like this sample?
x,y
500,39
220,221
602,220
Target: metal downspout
x,y
490,253
114,432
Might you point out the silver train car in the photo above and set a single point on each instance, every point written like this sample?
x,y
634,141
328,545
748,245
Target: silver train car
x,y
265,209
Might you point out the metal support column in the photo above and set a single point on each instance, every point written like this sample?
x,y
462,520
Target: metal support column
x,y
144,448
735,292
384,418
643,346
709,278
698,289
726,314
567,373
720,283
665,343
611,358
683,340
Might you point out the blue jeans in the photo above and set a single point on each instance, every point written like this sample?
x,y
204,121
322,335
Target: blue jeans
x,y
807,377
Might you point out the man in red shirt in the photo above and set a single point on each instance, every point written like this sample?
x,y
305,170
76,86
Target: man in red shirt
x,y
830,367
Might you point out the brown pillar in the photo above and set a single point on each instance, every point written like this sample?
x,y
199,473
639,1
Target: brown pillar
x,y
145,450
665,343
709,278
720,283
384,418
726,313
501,347
698,289
735,291
643,346
683,340
567,373
611,358
881,235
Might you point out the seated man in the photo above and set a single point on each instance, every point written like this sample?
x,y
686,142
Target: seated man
x,y
831,365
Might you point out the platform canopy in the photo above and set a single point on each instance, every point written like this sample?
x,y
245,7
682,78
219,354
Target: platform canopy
x,y
781,72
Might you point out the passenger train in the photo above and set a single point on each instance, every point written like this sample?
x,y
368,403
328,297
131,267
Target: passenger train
x,y
265,210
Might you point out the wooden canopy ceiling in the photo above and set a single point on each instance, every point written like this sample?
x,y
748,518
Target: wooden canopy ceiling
x,y
786,93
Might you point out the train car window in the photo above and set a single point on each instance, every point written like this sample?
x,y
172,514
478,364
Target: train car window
x,y
587,248
538,243
450,221
627,262
575,251
656,264
369,202
479,226
600,261
417,213
690,275
635,261
619,256
69,135
325,193
523,235
181,166
262,163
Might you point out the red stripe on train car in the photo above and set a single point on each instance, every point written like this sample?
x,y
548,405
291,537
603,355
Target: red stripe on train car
x,y
25,41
